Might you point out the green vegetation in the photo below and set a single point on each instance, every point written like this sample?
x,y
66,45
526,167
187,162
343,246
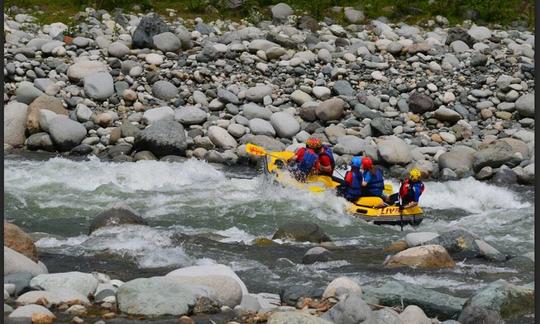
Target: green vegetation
x,y
503,12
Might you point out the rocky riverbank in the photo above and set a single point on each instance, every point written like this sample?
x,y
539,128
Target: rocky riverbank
x,y
215,292
451,101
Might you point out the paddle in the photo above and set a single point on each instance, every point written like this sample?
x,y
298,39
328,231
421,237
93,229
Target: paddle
x,y
260,151
400,210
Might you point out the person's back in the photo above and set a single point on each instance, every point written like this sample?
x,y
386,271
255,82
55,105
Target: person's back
x,y
373,181
351,186
326,160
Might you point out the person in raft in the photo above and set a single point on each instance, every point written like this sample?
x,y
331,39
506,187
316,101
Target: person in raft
x,y
410,190
315,158
351,186
373,181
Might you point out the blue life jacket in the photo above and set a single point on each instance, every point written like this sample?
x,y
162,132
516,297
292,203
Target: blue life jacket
x,y
376,184
354,191
308,161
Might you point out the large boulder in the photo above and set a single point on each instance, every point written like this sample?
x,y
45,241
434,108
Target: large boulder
x,y
16,239
495,155
44,102
66,133
331,109
350,144
414,314
227,290
209,270
81,69
525,105
459,159
167,42
281,12
257,93
462,244
341,286
99,85
351,309
149,26
114,215
302,232
252,110
156,114
285,124
53,298
420,103
29,313
381,126
40,141
164,137
292,294
426,257
221,138
398,294
15,123
505,298
518,146
84,283
14,262
447,115
190,116
155,296
164,90
26,92
394,150
267,142
477,314
260,126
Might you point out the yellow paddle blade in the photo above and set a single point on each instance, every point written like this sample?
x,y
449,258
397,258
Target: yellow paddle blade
x,y
316,189
388,189
255,150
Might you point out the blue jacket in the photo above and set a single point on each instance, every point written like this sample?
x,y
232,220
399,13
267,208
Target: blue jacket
x,y
354,190
375,182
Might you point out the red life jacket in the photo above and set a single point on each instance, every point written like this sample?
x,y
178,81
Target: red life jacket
x,y
404,190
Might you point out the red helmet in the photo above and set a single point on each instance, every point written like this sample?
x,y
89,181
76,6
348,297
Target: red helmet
x,y
313,143
367,163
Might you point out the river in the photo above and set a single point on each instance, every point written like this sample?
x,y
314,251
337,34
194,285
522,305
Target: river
x,y
201,213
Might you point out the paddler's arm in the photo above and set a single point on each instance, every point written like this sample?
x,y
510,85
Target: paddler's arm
x,y
411,204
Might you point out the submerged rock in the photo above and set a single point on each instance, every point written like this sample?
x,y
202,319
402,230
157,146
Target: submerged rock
x,y
505,298
302,232
396,293
114,215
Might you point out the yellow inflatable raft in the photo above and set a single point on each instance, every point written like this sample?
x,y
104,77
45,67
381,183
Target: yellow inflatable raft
x,y
370,209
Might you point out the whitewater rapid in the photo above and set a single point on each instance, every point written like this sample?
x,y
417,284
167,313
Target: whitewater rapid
x,y
57,198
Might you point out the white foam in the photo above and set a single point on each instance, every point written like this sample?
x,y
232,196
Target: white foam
x,y
428,281
127,177
234,234
148,247
470,195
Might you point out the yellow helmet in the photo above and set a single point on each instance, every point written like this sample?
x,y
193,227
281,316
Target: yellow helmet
x,y
415,174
